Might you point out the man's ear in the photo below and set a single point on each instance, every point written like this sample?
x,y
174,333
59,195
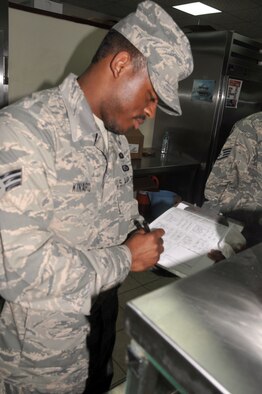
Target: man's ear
x,y
119,63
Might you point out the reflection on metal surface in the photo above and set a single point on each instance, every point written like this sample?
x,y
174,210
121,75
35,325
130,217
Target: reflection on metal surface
x,y
206,330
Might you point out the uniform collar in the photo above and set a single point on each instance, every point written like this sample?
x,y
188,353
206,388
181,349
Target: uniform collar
x,y
79,112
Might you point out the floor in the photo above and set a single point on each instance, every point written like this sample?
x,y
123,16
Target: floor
x,y
136,284
120,389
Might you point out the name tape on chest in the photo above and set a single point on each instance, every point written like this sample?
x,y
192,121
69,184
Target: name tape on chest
x,y
80,187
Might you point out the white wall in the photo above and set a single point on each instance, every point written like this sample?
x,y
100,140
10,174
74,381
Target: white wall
x,y
43,50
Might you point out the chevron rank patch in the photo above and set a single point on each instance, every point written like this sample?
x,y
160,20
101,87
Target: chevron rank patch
x,y
10,180
224,153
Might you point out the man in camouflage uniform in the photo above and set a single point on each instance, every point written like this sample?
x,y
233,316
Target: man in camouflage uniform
x,y
234,186
67,208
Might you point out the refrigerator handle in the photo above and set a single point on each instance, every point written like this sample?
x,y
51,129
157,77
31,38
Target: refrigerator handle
x,y
219,115
5,70
222,97
3,60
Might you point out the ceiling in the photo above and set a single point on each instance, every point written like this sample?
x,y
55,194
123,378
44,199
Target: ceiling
x,y
242,16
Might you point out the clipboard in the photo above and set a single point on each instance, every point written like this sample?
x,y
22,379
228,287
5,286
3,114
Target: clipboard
x,y
190,233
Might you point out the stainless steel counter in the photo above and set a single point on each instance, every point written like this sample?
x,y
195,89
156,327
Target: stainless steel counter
x,y
205,331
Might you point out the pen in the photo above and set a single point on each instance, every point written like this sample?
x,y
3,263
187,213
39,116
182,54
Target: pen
x,y
144,227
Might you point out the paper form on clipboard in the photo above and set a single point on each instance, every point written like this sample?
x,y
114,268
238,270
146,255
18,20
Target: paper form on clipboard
x,y
189,236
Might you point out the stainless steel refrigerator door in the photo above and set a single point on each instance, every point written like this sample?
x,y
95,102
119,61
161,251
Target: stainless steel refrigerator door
x,y
206,121
191,133
194,132
249,102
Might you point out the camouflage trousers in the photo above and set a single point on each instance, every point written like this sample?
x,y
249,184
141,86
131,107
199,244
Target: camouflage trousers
x,y
6,388
56,356
42,351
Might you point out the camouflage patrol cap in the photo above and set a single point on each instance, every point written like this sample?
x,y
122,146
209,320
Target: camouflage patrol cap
x,y
169,60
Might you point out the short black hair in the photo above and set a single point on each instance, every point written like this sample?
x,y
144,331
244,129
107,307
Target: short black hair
x,y
115,42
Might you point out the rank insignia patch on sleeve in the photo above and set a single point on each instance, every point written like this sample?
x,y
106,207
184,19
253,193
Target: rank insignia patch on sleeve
x,y
10,180
224,153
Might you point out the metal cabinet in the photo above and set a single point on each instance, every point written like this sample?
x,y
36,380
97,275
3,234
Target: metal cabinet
x,y
201,334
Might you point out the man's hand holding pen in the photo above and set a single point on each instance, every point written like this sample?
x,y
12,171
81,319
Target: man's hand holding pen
x,y
145,246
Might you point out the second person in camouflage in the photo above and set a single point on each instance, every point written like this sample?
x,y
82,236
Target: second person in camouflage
x,y
234,186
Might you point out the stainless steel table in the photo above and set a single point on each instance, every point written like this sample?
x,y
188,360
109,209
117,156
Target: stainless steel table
x,y
204,333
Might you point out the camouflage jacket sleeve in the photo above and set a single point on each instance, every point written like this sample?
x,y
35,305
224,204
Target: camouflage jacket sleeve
x,y
39,268
236,178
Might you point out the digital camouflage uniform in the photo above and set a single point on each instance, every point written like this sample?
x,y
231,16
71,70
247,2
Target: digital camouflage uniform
x,y
65,209
234,186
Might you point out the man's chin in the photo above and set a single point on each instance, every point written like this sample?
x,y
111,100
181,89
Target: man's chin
x,y
121,131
